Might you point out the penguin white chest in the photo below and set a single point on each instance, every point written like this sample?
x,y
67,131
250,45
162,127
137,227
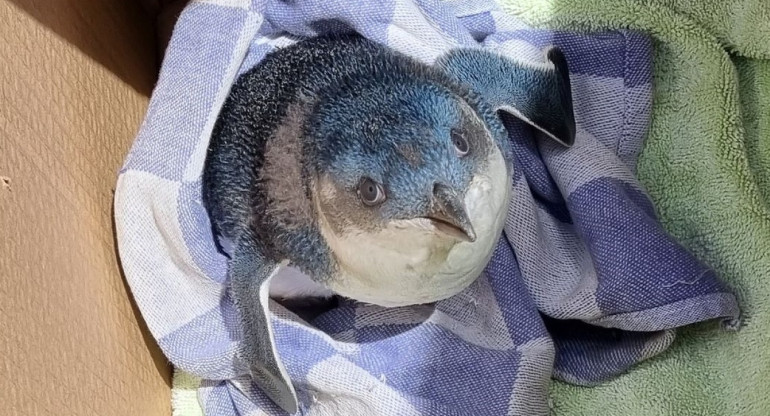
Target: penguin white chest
x,y
410,261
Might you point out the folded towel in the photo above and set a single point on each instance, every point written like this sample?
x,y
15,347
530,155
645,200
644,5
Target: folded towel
x,y
184,395
584,284
706,165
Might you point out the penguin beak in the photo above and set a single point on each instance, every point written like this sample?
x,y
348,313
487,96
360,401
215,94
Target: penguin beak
x,y
448,215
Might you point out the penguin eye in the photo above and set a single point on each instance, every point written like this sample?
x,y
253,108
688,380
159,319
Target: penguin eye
x,y
371,192
460,143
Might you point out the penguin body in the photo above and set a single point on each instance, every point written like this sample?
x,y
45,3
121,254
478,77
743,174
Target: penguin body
x,y
380,178
294,140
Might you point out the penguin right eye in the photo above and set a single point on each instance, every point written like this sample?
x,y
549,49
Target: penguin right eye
x,y
460,143
371,192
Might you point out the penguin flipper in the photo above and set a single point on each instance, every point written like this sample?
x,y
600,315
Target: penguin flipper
x,y
250,273
538,94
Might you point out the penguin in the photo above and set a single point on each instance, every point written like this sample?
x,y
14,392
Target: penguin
x,y
381,178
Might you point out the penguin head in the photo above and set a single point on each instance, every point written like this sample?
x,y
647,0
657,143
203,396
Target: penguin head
x,y
402,177
407,156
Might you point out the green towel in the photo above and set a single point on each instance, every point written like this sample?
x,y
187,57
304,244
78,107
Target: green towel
x,y
184,395
706,164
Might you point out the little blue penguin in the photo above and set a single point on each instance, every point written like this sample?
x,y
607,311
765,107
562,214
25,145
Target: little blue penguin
x,y
382,178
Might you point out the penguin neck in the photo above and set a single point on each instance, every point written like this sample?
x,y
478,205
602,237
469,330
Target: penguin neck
x,y
289,214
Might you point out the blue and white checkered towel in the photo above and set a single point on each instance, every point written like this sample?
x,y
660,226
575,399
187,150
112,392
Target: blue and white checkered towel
x,y
583,284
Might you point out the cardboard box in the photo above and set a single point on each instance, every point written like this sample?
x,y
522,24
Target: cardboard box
x,y
75,80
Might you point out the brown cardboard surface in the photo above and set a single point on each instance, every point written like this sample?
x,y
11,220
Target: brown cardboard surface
x,y
74,83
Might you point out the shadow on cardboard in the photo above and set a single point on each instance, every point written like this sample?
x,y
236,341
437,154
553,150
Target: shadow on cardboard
x,y
119,35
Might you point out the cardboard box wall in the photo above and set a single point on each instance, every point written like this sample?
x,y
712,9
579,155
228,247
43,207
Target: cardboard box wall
x,y
75,79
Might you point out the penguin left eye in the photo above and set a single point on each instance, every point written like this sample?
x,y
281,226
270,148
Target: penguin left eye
x,y
371,192
460,143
